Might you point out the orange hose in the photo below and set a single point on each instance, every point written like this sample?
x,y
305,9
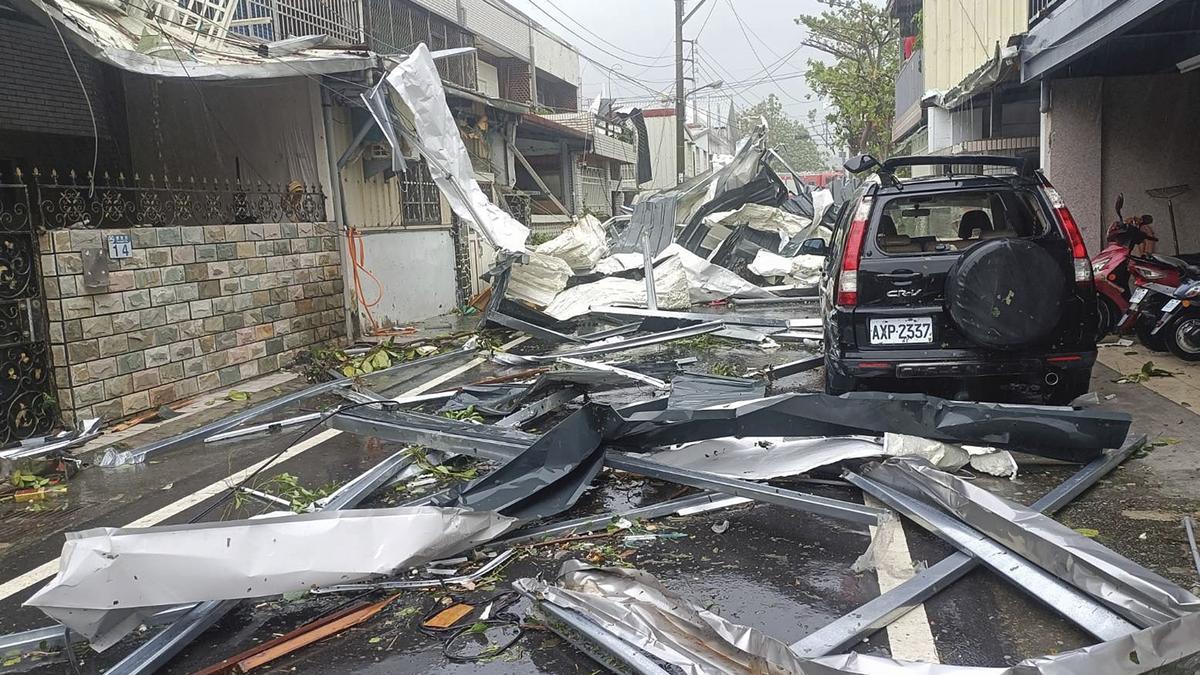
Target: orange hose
x,y
354,243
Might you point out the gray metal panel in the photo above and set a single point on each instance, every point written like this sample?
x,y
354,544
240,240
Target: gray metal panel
x,y
860,623
1076,28
656,216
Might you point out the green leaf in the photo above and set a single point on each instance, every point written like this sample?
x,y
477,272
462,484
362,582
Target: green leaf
x,y
375,640
478,627
381,360
1088,532
348,371
235,395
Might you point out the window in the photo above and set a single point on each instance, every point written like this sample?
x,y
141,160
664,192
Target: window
x,y
943,223
420,202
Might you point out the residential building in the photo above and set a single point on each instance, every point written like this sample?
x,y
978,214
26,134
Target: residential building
x,y
958,90
604,170
1120,86
230,170
660,128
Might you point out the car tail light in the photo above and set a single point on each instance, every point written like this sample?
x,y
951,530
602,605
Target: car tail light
x,y
1079,254
847,295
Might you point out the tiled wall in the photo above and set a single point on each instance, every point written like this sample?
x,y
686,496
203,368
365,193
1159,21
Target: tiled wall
x,y
194,309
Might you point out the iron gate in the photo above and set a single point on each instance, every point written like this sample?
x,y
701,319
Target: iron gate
x,y
28,405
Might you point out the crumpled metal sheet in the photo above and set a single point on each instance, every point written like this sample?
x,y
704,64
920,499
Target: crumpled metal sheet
x,y
538,279
548,477
699,390
635,606
708,282
417,81
1141,596
95,31
111,579
1060,433
764,219
581,246
638,608
766,457
670,286
802,270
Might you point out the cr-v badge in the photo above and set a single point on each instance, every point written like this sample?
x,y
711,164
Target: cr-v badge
x,y
904,293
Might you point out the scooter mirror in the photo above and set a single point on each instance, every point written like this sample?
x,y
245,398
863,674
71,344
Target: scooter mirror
x,y
1120,203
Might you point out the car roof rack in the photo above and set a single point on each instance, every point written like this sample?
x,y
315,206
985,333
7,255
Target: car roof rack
x,y
947,161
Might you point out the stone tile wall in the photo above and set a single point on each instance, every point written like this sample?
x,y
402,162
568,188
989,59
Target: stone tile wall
x,y
194,309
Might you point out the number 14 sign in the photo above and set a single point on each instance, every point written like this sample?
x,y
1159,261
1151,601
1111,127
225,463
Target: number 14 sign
x,y
120,246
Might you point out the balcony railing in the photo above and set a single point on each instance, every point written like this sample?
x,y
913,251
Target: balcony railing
x,y
1038,9
272,20
52,201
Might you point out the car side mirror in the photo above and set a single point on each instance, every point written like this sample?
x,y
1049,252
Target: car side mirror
x,y
814,246
861,163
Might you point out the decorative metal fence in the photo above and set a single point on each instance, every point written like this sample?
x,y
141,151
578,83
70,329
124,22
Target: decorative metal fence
x,y
53,201
28,406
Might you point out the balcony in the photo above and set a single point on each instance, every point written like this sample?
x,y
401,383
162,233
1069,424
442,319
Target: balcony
x,y
910,88
1038,9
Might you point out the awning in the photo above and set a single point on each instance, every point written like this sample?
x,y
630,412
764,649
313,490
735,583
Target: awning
x,y
105,35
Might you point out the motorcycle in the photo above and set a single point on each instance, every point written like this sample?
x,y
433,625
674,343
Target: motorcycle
x,y
1153,305
1178,324
1117,270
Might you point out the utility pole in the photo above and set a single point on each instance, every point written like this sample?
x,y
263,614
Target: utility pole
x,y
680,103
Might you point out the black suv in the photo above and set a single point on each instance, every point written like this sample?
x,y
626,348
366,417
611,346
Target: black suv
x,y
957,284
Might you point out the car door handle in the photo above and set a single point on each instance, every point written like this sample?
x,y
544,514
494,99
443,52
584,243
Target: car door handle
x,y
901,275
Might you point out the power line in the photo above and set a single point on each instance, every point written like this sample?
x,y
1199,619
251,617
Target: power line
x,y
593,45
589,31
742,25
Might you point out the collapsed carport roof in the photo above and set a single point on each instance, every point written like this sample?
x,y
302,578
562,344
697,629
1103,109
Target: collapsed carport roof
x,y
109,36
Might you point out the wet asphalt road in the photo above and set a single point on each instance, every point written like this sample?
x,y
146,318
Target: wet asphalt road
x,y
776,569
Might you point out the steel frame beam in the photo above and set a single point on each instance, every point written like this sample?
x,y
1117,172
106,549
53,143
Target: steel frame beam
x,y
158,650
1086,613
472,439
224,424
538,408
588,524
875,615
596,349
732,318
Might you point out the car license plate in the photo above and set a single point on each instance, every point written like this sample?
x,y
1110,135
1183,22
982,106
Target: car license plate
x,y
1171,304
901,331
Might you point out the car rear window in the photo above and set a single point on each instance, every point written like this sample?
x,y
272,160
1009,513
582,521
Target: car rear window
x,y
953,221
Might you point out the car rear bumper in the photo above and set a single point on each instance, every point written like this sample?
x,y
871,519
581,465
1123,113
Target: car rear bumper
x,y
910,364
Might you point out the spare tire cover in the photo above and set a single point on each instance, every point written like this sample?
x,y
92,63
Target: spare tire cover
x,y
1006,294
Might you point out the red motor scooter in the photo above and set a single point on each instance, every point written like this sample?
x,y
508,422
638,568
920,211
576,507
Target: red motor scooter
x,y
1116,267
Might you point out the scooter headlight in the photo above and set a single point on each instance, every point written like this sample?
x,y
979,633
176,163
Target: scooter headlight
x,y
1149,274
1192,292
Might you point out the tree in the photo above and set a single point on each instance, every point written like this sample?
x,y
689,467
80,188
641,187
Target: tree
x,y
860,81
789,137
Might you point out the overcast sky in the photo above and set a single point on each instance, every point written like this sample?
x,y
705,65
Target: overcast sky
x,y
645,28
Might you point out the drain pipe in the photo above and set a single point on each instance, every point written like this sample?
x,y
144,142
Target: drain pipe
x,y
339,209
